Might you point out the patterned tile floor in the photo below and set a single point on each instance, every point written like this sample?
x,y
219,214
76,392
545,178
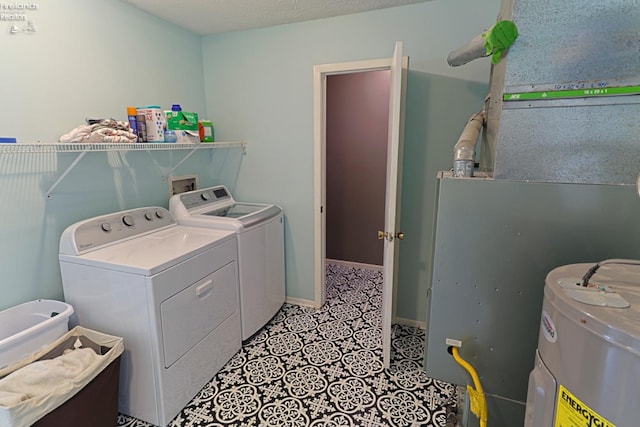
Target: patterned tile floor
x,y
323,368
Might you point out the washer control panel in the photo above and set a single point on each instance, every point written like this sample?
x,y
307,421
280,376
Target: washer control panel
x,y
207,196
102,230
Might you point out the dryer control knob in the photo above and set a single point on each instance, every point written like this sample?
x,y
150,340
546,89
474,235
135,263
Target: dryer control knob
x,y
106,226
128,220
148,216
159,214
205,196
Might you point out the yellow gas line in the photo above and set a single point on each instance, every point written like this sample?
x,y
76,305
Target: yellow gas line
x,y
477,397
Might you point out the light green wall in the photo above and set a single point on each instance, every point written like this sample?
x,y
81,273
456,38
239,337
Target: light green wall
x,y
88,58
259,87
95,57
428,149
92,58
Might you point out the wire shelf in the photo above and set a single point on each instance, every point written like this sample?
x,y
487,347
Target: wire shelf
x,y
20,148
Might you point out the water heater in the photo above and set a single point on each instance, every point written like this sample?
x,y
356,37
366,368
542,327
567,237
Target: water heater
x,y
586,369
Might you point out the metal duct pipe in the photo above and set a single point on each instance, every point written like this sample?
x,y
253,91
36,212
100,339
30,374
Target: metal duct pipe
x,y
464,152
474,49
495,41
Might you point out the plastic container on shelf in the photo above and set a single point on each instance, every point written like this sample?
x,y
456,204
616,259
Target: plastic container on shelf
x,y
132,116
141,126
205,128
170,136
155,121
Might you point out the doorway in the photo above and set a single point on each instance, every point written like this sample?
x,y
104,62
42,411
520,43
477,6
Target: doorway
x,y
357,111
321,74
390,234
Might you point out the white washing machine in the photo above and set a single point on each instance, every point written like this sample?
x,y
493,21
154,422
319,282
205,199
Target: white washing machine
x,y
587,366
260,230
170,291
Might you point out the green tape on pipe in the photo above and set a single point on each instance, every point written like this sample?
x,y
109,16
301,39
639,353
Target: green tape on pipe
x,y
574,93
498,39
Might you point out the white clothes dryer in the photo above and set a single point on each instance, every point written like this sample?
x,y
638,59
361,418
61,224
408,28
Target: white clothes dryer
x,y
260,230
170,291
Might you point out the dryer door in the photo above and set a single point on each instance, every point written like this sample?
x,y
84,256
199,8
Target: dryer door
x,y
196,311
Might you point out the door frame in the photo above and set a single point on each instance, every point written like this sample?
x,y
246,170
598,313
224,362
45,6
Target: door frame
x,y
320,73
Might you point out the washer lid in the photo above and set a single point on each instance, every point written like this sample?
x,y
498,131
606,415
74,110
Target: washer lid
x,y
152,253
217,204
237,210
611,310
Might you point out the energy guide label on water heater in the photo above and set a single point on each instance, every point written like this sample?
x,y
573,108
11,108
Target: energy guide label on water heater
x,y
572,412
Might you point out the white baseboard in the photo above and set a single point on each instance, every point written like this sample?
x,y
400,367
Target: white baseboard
x,y
300,301
397,320
354,264
411,322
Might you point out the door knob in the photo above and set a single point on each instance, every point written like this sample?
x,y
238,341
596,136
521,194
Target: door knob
x,y
385,235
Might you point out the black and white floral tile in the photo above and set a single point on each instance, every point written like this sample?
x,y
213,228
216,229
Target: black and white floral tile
x,y
323,368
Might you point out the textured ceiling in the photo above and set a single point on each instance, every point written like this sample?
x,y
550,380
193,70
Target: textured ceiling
x,y
216,16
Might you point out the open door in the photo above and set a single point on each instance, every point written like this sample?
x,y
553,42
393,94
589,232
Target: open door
x,y
392,233
398,66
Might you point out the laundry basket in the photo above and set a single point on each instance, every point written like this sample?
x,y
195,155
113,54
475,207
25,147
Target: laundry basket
x,y
31,326
71,383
